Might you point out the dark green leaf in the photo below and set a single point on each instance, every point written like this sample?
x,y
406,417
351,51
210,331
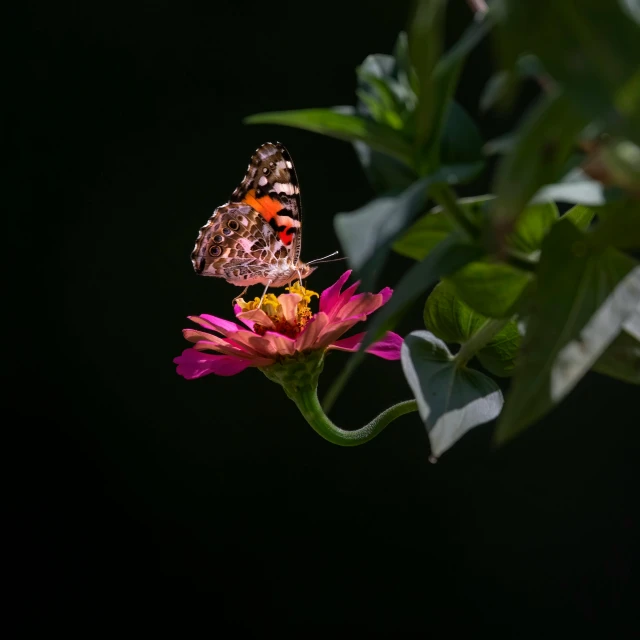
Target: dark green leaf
x,y
618,226
621,360
341,125
384,172
451,254
583,297
499,88
425,45
434,226
447,317
543,145
451,399
590,47
446,144
367,233
461,141
500,145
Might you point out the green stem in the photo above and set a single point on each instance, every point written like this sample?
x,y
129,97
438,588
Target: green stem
x,y
309,406
446,198
480,339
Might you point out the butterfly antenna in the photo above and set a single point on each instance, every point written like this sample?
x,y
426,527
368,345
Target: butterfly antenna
x,y
318,260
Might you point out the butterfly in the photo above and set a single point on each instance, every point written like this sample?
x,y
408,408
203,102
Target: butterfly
x,y
255,238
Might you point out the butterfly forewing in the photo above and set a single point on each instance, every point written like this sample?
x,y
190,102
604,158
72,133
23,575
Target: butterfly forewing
x,y
256,237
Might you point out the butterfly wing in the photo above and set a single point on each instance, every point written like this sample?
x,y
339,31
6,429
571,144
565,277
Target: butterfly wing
x,y
245,238
271,188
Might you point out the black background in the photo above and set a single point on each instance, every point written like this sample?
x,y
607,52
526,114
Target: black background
x,y
152,501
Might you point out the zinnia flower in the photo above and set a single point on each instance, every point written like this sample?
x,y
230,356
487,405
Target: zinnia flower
x,y
284,328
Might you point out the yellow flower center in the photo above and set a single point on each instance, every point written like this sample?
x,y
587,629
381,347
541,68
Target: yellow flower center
x,y
271,305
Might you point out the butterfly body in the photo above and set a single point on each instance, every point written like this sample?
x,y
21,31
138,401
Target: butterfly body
x,y
255,238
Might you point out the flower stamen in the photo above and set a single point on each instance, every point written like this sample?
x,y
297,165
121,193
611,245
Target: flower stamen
x,y
272,306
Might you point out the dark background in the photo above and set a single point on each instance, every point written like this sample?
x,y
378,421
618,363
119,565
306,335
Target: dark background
x,y
151,501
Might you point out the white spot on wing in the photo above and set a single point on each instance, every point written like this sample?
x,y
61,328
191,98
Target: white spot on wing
x,y
284,187
263,180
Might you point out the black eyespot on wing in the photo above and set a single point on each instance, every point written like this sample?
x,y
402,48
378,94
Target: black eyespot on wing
x,y
213,251
233,225
218,238
227,231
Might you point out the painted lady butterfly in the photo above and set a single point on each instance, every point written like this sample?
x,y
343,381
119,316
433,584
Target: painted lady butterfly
x,y
255,238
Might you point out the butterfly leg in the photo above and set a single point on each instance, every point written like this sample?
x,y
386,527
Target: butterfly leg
x,y
264,293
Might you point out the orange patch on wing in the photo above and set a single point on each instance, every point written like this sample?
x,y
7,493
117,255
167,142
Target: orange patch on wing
x,y
266,206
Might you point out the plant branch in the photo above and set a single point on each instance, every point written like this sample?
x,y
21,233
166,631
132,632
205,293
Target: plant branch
x,y
309,406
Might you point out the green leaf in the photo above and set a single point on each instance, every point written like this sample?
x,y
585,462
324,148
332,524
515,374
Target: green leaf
x,y
580,216
380,83
621,359
461,140
425,45
434,226
447,317
490,288
366,234
576,188
543,144
583,297
532,226
590,47
499,88
618,226
384,172
449,256
453,136
341,125
451,399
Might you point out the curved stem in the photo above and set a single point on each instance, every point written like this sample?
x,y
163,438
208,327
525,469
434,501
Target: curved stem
x,y
307,402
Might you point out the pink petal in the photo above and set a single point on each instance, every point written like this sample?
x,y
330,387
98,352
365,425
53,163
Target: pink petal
x,y
282,345
269,345
307,338
343,299
254,343
222,345
334,330
330,296
289,303
361,305
192,364
216,324
386,294
256,316
387,348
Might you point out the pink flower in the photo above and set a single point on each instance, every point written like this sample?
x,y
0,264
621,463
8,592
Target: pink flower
x,y
283,327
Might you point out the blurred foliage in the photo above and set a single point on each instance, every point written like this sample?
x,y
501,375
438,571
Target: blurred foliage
x,y
524,291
